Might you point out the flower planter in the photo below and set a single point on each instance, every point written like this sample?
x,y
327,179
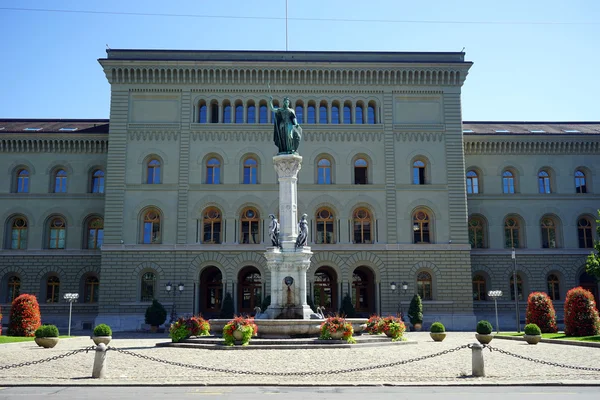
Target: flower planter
x,y
238,335
101,339
533,339
337,335
417,327
438,336
47,342
484,339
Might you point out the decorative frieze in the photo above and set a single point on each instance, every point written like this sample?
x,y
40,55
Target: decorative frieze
x,y
54,144
419,136
548,146
153,135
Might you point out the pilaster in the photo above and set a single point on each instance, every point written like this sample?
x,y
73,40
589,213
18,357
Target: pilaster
x,y
390,168
183,184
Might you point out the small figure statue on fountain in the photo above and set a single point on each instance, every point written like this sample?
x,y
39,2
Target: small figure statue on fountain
x,y
302,238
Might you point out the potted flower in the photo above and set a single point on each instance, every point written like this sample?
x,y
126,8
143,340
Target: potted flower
x,y
102,334
46,336
437,331
184,328
337,327
373,325
533,334
239,329
415,312
484,332
156,315
393,327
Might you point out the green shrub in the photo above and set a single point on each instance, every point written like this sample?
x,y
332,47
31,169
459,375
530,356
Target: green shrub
x,y
45,331
347,310
581,314
24,316
102,330
155,314
532,329
227,307
437,327
415,310
484,327
540,311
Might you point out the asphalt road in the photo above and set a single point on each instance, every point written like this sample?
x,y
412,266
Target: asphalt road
x,y
304,393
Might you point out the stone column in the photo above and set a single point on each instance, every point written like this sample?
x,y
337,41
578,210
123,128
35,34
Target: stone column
x,y
287,167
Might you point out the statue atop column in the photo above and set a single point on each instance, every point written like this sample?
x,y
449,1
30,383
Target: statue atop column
x,y
286,130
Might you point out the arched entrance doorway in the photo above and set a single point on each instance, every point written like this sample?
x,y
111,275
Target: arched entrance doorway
x,y
250,290
589,282
211,292
325,289
363,291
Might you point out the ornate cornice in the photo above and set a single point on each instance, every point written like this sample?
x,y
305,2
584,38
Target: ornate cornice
x,y
54,144
419,136
152,135
264,133
523,146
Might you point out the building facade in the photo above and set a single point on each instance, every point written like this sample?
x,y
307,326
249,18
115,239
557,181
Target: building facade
x,y
178,184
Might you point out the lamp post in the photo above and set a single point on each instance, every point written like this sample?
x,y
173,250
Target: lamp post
x,y
514,258
70,297
494,294
169,288
404,288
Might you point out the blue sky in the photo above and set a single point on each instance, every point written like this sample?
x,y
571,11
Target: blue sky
x,y
534,60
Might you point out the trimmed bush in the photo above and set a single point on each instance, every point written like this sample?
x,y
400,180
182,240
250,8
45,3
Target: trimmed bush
x,y
347,310
25,316
437,327
484,327
532,329
102,330
227,306
45,331
581,314
540,311
156,314
415,310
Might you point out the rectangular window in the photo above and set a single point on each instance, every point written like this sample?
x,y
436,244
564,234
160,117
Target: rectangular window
x,y
360,176
322,115
509,185
214,114
311,115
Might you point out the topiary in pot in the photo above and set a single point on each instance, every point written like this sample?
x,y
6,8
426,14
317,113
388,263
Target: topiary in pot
x,y
46,336
227,307
415,312
24,316
533,334
581,314
102,334
347,310
484,332
437,331
155,315
540,311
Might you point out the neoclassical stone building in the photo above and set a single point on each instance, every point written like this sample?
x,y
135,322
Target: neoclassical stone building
x,y
178,184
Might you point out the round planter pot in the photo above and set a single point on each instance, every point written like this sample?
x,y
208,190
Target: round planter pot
x,y
47,342
101,339
533,339
438,336
337,335
238,335
417,327
484,339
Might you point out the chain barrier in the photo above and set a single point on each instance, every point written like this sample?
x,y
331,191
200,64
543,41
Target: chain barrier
x,y
300,373
554,364
27,363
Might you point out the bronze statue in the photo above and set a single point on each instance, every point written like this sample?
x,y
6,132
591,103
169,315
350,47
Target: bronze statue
x,y
286,131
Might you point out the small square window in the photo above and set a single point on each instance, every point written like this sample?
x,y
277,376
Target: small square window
x,y
537,131
2,128
32,129
502,131
571,131
67,129
468,131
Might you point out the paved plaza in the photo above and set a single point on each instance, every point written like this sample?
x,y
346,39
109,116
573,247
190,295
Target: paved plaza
x,y
453,368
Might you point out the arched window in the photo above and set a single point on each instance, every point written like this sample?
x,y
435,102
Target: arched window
x,y
239,114
211,226
60,181
544,182
347,114
97,181
324,172
91,289
250,229
548,233
335,114
153,172
22,181
250,171
251,114
152,227
262,115
359,113
472,182
361,171
311,114
322,114
479,292
362,226
58,233
418,172
148,286
325,226
512,233
213,171
227,113
424,285
421,228
519,287
553,287
211,289
477,233
95,233
18,233
300,114
214,112
371,115
14,288
325,289
52,289
202,114
584,233
250,295
508,182
580,184
362,290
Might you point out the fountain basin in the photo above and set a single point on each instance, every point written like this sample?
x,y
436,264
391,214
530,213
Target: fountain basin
x,y
287,328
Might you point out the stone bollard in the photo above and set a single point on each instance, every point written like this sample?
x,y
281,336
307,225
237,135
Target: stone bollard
x,y
99,370
477,360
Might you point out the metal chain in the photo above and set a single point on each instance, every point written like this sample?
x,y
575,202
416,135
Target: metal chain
x,y
301,373
554,364
27,363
